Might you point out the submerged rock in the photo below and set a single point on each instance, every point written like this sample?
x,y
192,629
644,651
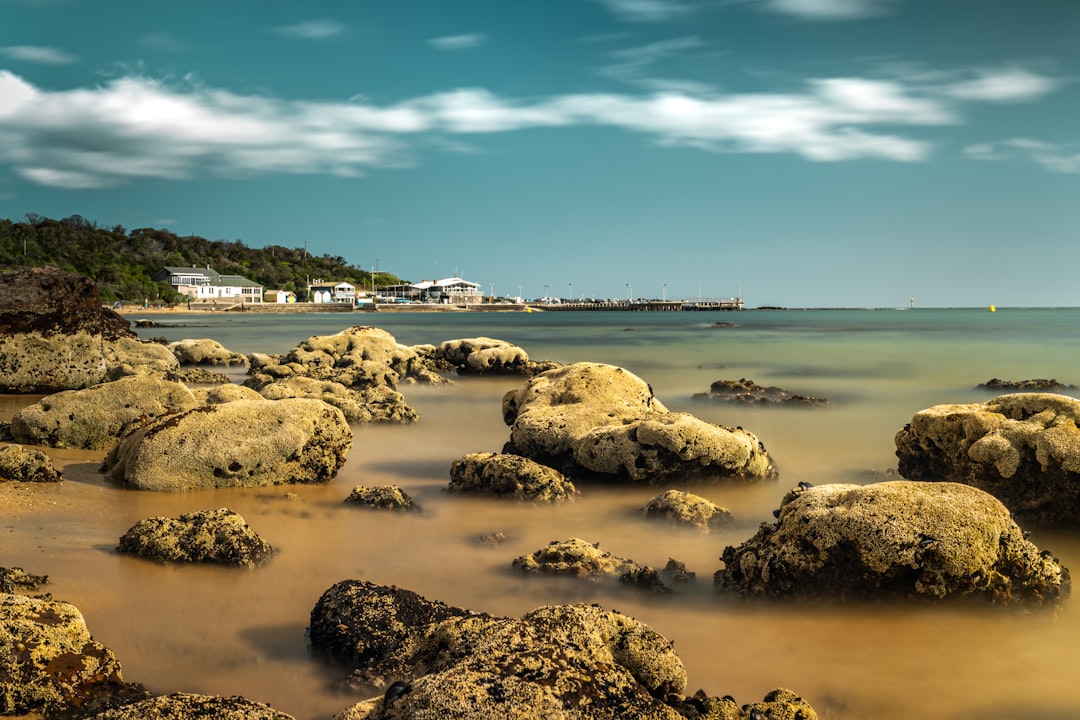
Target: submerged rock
x,y
1034,385
382,497
747,392
508,476
1023,448
50,665
18,580
54,335
603,422
19,464
686,508
185,706
893,540
94,418
430,660
578,558
210,536
246,443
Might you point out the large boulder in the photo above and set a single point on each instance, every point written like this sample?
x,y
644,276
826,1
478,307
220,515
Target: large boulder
x,y
567,661
600,421
26,465
246,443
376,404
508,476
55,335
50,665
488,356
893,540
94,418
219,536
1023,448
184,706
205,351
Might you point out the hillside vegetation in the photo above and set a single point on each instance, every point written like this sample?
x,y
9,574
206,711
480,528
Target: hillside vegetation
x,y
123,261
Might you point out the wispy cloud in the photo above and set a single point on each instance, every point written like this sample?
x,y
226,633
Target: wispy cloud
x,y
646,10
162,42
38,54
830,9
313,29
635,64
137,127
1007,85
458,42
1056,157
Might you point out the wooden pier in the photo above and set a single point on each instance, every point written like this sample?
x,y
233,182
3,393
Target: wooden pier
x,y
641,305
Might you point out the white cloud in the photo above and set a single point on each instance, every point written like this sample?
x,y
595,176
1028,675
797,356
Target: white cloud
x,y
830,9
135,127
1005,85
458,42
1056,157
313,29
39,54
646,10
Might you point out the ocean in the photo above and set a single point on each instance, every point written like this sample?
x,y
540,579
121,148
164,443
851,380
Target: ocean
x,y
238,632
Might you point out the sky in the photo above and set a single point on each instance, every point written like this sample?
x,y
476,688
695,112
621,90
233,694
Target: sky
x,y
803,153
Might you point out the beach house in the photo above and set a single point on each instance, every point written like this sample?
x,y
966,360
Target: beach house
x,y
448,291
208,285
341,292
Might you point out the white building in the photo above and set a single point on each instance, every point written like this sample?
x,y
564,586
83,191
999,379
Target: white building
x,y
341,292
206,285
449,291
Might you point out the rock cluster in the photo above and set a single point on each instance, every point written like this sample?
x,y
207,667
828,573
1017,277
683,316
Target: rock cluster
x,y
19,464
893,540
747,392
600,421
684,508
94,418
1033,385
54,335
508,476
246,443
357,369
217,536
205,351
1023,448
433,660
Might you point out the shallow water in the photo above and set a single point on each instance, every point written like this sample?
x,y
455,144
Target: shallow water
x,y
224,631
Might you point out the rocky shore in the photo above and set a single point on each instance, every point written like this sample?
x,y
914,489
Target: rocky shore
x,y
948,533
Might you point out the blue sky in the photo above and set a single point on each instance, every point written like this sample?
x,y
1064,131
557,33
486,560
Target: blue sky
x,y
808,152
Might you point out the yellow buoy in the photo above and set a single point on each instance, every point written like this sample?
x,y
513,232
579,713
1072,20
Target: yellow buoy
x,y
993,309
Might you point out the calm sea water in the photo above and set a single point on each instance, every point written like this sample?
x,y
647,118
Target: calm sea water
x,y
223,631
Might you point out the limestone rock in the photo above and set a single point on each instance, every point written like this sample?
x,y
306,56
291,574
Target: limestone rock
x,y
1023,448
16,579
94,418
748,392
600,421
224,393
382,497
577,558
378,403
246,443
1032,385
508,476
210,536
205,351
49,663
54,334
893,540
198,376
483,355
26,465
686,508
185,706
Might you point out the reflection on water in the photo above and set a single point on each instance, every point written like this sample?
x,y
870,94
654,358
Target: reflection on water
x,y
228,631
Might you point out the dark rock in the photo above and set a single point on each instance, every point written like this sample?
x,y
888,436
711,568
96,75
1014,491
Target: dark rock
x,y
1037,385
508,476
893,540
677,571
747,392
210,536
382,497
18,580
189,706
19,464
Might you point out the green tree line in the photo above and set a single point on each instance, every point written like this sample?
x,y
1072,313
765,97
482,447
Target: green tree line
x,y
123,261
